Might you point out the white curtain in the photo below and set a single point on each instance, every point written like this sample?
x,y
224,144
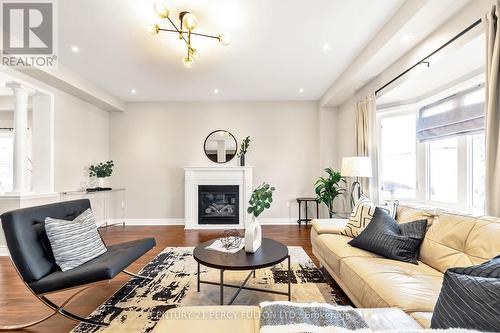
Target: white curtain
x,y
492,204
366,141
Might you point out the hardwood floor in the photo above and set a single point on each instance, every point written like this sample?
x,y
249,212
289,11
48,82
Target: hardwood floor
x,y
18,305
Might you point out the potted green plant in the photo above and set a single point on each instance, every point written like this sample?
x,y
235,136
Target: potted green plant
x,y
243,150
328,188
261,199
101,171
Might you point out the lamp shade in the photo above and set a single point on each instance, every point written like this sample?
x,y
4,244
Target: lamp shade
x,y
356,166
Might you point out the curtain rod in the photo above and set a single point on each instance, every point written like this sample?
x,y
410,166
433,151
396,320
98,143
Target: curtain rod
x,y
463,32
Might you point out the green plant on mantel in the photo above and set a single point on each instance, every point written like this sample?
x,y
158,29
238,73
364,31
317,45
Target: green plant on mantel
x,y
328,188
101,170
244,146
261,199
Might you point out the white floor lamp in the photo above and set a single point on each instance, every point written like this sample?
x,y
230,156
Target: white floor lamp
x,y
356,167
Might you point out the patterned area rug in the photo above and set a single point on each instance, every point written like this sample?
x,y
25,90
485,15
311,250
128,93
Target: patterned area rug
x,y
140,303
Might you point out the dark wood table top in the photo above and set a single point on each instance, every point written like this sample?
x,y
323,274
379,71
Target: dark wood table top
x,y
307,199
270,253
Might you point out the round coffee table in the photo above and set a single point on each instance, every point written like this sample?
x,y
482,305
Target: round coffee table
x,y
269,254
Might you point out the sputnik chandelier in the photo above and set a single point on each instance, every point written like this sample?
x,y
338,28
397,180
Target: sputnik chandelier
x,y
188,23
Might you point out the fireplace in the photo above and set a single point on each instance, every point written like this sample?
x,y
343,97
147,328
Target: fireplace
x,y
218,204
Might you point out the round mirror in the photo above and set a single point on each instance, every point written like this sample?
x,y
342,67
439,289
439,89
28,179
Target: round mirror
x,y
220,146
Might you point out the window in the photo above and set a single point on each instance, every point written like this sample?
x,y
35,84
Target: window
x,y
6,162
443,170
398,175
478,153
446,172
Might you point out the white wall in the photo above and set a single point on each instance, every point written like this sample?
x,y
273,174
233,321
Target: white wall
x,y
81,138
152,142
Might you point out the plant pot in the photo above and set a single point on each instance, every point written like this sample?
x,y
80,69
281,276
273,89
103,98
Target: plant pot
x,y
101,182
253,236
242,160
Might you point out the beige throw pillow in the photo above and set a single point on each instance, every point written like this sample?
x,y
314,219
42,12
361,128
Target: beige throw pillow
x,y
361,215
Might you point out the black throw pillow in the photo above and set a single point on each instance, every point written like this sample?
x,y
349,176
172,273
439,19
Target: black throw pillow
x,y
470,298
384,236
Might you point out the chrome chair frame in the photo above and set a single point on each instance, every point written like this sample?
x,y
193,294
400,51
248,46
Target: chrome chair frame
x,y
59,309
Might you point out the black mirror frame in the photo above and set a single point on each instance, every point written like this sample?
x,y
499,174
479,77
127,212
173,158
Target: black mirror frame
x,y
235,141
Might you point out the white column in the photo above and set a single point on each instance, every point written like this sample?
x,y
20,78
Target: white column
x,y
42,178
21,95
221,151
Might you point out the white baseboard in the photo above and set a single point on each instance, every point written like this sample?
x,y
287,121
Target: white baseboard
x,y
3,250
152,222
149,222
278,220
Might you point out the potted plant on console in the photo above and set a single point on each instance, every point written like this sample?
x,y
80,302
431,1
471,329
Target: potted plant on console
x,y
101,171
261,199
243,150
327,189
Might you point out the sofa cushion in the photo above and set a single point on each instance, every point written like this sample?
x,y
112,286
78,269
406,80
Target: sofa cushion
x,y
105,267
380,282
422,318
456,240
334,248
329,226
388,319
408,213
386,237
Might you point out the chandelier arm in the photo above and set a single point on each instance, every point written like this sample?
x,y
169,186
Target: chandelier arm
x,y
204,35
177,30
168,30
192,33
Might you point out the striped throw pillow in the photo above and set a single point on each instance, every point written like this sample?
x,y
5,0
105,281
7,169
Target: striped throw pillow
x,y
74,242
361,215
384,236
470,298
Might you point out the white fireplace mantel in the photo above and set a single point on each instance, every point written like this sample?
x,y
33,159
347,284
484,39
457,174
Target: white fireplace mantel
x,y
194,176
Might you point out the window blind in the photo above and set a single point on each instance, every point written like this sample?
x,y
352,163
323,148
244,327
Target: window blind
x,y
459,114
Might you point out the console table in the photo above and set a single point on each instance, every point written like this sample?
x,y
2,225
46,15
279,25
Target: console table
x,y
100,201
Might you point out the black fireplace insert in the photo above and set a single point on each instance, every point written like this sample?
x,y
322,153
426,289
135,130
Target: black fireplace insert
x,y
218,204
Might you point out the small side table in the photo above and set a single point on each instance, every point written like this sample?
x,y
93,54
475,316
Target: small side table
x,y
306,201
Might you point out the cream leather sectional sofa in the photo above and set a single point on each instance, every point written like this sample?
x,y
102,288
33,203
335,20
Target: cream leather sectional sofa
x,y
372,281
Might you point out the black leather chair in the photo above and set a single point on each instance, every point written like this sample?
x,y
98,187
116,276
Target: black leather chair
x,y
31,254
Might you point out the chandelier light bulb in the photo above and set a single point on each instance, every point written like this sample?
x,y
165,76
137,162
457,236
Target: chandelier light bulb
x,y
153,29
225,39
188,62
189,21
161,9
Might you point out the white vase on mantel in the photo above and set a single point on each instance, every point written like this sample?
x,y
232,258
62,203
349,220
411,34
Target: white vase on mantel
x,y
253,236
101,182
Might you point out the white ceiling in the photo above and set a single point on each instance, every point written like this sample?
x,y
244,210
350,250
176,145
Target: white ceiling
x,y
277,47
448,67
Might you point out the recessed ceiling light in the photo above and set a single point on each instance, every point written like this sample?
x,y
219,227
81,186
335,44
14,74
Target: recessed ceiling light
x,y
133,91
75,49
325,47
301,90
406,38
216,91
